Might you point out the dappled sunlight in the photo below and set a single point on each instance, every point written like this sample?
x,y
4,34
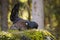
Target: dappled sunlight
x,y
6,34
25,15
31,34
23,0
9,21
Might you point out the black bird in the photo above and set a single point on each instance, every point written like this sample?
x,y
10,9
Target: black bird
x,y
19,23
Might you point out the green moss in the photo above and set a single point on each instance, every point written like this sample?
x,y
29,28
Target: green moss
x,y
26,35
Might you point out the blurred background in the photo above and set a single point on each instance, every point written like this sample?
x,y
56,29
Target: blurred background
x,y
51,14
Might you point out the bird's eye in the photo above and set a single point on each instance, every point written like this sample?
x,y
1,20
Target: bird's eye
x,y
26,23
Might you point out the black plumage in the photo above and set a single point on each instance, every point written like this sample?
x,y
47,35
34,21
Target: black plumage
x,y
19,23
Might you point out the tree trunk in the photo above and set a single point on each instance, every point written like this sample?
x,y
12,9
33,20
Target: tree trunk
x,y
37,13
4,24
0,17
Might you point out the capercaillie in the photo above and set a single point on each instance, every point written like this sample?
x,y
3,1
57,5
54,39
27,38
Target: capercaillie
x,y
19,23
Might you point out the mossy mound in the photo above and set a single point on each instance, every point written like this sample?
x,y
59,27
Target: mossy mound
x,y
26,35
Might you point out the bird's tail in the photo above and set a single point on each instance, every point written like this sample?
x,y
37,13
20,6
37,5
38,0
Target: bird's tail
x,y
14,13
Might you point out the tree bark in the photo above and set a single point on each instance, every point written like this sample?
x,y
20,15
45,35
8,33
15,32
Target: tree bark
x,y
4,23
38,13
0,16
